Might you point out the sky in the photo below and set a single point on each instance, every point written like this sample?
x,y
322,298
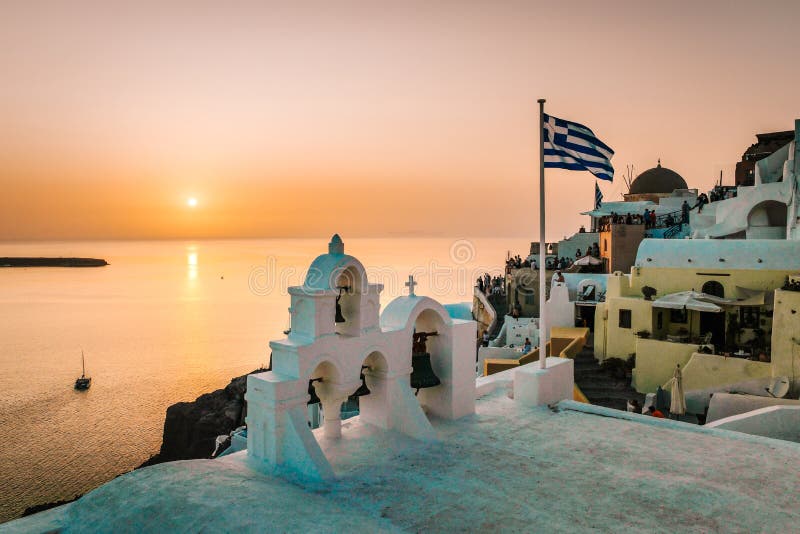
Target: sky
x,y
371,119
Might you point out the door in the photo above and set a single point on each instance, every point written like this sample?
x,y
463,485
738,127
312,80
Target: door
x,y
714,323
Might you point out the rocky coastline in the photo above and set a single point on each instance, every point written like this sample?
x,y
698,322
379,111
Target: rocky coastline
x,y
191,428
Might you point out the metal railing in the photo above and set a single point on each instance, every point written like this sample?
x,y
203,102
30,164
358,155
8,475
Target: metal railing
x,y
668,220
673,231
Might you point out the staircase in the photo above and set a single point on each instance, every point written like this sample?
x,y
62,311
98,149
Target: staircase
x,y
498,302
599,386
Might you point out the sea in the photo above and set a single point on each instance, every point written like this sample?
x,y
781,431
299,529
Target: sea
x,y
165,322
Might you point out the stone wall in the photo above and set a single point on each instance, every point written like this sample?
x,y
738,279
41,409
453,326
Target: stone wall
x,y
786,337
656,361
579,240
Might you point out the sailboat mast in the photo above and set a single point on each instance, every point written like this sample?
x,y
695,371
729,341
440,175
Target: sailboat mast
x,y
83,366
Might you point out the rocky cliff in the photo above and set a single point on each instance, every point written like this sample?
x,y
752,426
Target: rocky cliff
x,y
191,428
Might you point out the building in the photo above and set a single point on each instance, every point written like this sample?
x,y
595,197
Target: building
x,y
660,190
522,291
339,345
766,145
577,244
551,251
617,227
618,245
767,209
743,275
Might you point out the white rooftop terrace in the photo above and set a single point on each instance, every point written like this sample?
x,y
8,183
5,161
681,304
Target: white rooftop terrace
x,y
507,468
751,254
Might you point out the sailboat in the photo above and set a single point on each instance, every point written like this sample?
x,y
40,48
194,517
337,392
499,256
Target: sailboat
x,y
84,381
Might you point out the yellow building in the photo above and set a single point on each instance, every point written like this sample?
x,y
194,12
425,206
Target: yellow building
x,y
618,244
744,272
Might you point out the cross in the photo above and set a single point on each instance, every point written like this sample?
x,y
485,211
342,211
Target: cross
x,y
410,285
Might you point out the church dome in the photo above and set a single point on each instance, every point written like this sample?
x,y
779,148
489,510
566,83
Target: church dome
x,y
336,270
657,180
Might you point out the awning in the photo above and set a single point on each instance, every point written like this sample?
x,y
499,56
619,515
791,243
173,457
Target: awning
x,y
750,297
623,208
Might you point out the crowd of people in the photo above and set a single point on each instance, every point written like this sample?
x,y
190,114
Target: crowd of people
x,y
490,285
702,199
516,262
720,194
560,262
650,220
647,218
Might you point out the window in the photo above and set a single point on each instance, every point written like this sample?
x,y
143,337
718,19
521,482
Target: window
x,y
714,288
624,318
660,321
605,245
587,293
678,316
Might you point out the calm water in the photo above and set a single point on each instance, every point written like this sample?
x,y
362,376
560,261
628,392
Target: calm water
x,y
165,322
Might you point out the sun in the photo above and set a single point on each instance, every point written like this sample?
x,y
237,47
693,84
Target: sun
x,y
191,202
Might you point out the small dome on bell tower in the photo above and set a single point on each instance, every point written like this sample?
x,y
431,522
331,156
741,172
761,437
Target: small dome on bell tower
x,y
336,246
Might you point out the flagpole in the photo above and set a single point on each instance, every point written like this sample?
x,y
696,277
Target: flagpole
x,y
542,251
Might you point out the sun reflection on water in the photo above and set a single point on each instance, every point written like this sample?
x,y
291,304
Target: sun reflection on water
x,y
191,263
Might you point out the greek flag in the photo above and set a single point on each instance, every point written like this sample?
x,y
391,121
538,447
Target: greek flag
x,y
598,196
573,146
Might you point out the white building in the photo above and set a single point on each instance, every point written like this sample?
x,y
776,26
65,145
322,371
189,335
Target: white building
x,y
769,209
331,356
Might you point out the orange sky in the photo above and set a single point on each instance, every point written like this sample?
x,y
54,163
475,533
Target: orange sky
x,y
366,118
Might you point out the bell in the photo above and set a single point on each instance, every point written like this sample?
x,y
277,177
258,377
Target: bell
x,y
311,391
339,317
362,389
422,375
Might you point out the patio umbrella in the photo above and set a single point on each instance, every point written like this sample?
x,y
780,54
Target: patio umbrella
x,y
588,260
691,300
677,403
